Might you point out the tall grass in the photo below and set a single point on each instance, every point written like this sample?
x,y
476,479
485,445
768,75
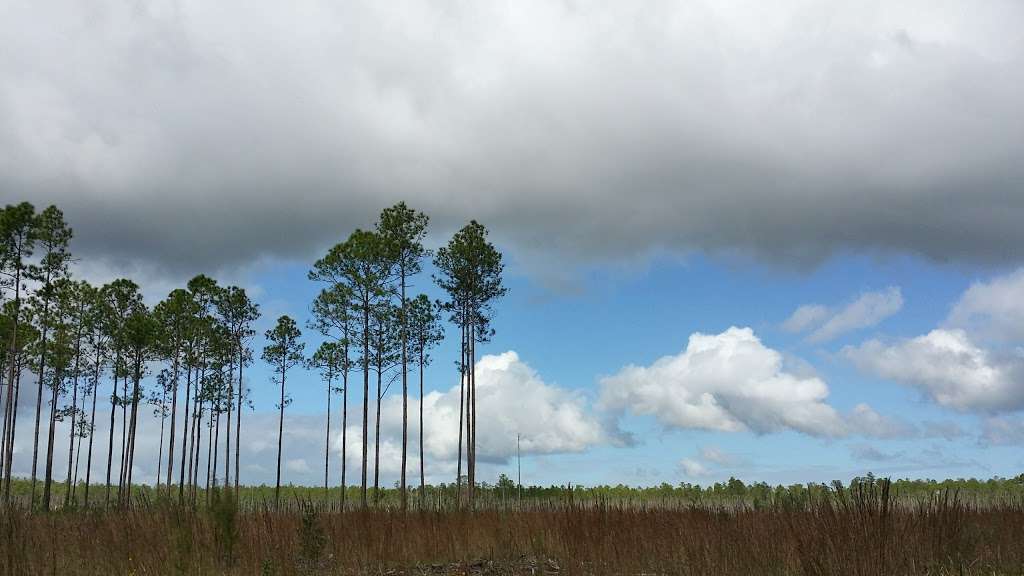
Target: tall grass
x,y
862,530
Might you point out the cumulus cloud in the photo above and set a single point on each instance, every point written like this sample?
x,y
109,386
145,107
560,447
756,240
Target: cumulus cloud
x,y
867,310
727,382
949,368
993,309
515,400
203,135
512,399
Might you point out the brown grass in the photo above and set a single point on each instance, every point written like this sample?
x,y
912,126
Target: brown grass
x,y
848,532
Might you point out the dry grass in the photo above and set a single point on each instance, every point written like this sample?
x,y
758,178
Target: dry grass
x,y
862,532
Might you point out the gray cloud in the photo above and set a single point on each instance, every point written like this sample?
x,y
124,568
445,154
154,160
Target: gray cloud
x,y
205,135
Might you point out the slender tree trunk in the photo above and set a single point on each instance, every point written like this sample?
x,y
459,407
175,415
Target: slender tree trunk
x,y
405,393
462,402
344,430
74,411
327,442
174,417
280,437
130,458
8,399
238,418
7,414
160,450
211,453
13,432
197,450
472,387
11,408
376,438
39,394
92,426
185,424
124,439
113,412
366,393
423,476
227,441
58,375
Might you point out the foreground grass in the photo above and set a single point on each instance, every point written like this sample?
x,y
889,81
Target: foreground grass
x,y
858,532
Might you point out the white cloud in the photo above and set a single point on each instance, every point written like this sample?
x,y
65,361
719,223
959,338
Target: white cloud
x,y
993,309
948,367
512,398
805,317
693,468
865,420
728,382
867,310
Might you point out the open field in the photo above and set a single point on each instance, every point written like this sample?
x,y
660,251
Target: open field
x,y
865,529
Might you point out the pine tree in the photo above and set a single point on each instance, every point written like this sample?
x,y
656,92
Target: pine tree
x,y
52,236
469,270
283,352
402,230
17,241
425,332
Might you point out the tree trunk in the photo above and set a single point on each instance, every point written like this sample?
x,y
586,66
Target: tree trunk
x,y
74,411
366,394
472,387
423,477
130,458
92,427
327,442
58,375
462,407
124,439
113,412
160,450
280,436
39,394
344,431
376,437
184,434
405,393
174,417
13,376
11,436
238,418
227,441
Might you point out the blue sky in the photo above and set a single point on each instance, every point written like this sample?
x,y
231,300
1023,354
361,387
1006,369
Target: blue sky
x,y
620,316
779,241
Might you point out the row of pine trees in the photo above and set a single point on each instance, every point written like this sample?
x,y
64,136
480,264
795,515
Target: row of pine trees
x,y
185,357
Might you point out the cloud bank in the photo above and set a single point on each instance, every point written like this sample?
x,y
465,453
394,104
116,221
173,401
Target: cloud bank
x,y
195,136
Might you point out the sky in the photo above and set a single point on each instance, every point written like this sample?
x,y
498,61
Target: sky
x,y
780,241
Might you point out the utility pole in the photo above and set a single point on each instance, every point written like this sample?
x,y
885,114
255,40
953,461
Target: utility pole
x,y
519,464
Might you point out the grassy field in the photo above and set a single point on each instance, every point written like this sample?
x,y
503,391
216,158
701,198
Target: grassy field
x,y
863,529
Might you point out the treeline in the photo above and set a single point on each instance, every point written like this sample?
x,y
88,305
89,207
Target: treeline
x,y
81,342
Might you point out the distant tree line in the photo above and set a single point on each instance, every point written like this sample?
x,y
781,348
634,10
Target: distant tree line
x,y
184,358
